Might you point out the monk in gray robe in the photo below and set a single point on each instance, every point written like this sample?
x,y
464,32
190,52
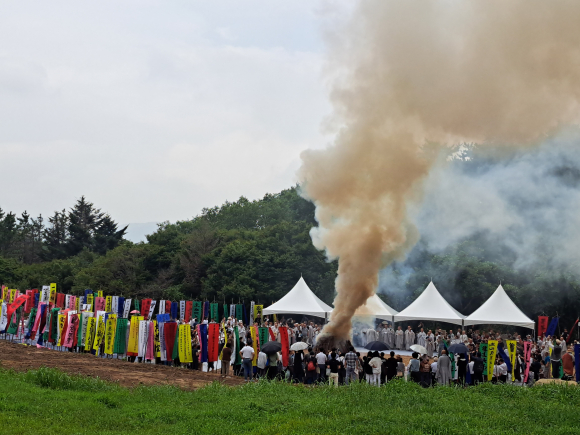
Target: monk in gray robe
x,y
371,335
430,344
399,339
391,337
409,338
421,337
384,336
443,369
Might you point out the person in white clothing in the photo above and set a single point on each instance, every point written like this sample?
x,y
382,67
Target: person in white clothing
x,y
247,354
376,363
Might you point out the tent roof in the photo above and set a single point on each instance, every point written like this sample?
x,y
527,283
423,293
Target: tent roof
x,y
499,309
299,300
375,307
430,305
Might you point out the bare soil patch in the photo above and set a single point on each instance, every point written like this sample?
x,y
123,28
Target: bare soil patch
x,y
24,358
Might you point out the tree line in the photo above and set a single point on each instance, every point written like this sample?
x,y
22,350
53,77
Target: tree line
x,y
252,250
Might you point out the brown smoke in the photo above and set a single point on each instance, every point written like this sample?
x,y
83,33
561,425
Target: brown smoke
x,y
405,73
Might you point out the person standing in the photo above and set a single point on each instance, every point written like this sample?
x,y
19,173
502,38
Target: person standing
x,y
568,364
399,339
261,363
413,367
443,369
247,354
409,338
556,360
391,364
350,360
425,371
375,363
226,357
421,338
321,360
390,337
333,364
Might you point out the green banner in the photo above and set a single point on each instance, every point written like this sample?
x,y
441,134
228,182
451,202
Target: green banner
x,y
214,315
238,348
120,336
239,313
197,310
264,335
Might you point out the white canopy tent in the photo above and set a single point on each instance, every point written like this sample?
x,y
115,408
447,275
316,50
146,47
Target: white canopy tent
x,y
375,307
499,309
430,305
299,300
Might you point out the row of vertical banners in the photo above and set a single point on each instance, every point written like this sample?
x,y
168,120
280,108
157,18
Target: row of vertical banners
x,y
118,330
122,307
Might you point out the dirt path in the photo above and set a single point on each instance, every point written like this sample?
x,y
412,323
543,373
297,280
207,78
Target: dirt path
x,y
23,358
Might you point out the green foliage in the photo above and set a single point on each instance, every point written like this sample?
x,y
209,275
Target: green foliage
x,y
53,402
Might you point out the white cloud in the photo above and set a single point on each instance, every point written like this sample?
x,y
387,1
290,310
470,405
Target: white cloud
x,y
154,110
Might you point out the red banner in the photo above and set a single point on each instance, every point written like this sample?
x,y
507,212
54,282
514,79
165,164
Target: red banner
x,y
571,332
169,330
14,306
272,335
29,302
145,306
100,304
542,325
527,356
213,337
188,310
283,331
60,300
167,307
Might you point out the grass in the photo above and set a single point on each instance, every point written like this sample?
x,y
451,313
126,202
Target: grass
x,y
47,401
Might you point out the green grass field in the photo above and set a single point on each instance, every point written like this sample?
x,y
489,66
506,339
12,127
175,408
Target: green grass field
x,y
47,401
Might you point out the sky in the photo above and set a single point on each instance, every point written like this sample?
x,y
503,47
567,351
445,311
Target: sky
x,y
156,109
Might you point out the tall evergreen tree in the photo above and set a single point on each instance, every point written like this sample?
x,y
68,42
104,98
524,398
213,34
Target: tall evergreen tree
x,y
83,219
56,236
106,235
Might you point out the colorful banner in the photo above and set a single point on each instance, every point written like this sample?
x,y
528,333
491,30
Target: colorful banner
x,y
197,311
491,352
151,310
162,306
258,313
110,331
206,310
252,303
239,312
214,313
90,300
170,331
126,308
202,334
571,332
145,305
90,333
213,342
100,304
156,342
61,322
71,331
100,334
168,307
512,349
60,299
185,353
29,303
181,310
150,351
188,310
264,335
542,325
527,356
143,335
238,345
577,361
552,327
109,304
254,333
53,293
85,328
120,337
283,331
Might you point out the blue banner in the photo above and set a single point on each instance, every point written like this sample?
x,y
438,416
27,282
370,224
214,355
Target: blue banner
x,y
174,309
577,361
552,327
203,333
505,357
121,306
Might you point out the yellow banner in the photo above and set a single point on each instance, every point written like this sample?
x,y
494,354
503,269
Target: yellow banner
x,y
61,320
185,355
133,345
512,346
156,339
100,334
12,295
100,293
225,342
109,303
90,334
254,332
491,352
90,301
258,312
53,293
110,333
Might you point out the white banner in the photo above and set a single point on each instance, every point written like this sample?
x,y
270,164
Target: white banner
x,y
127,308
4,316
143,335
86,316
115,304
45,294
181,310
151,309
162,306
67,302
163,349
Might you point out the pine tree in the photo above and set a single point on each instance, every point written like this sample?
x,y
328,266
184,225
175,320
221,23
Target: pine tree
x,y
83,220
107,236
56,236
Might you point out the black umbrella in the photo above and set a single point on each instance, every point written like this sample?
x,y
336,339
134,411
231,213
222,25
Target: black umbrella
x,y
377,345
271,347
458,348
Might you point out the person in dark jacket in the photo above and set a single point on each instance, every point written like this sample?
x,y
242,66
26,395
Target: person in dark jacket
x,y
391,365
478,369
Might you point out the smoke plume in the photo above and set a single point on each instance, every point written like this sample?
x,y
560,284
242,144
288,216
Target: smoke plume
x,y
407,74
